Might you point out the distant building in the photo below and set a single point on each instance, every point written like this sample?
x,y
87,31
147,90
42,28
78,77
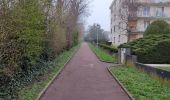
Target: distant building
x,y
138,20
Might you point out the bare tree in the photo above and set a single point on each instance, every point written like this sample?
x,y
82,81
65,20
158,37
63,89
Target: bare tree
x,y
127,13
61,22
77,8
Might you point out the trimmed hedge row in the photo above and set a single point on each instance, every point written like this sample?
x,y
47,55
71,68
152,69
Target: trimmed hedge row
x,y
111,49
152,49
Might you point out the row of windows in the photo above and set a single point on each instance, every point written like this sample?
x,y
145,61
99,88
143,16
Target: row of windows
x,y
145,25
146,11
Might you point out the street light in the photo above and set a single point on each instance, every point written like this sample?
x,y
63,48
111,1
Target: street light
x,y
98,27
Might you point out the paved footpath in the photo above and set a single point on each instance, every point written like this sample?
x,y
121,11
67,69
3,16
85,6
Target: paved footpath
x,y
85,78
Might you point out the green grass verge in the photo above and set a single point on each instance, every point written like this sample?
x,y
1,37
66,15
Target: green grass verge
x,y
102,55
31,92
165,68
141,85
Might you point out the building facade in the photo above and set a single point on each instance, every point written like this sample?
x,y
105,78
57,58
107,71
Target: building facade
x,y
129,23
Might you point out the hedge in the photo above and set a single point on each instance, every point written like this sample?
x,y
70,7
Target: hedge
x,y
111,49
152,49
158,27
160,53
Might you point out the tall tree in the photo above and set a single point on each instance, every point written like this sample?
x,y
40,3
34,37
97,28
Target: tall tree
x,y
76,9
8,43
127,13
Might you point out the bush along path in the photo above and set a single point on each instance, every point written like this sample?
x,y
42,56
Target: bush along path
x,y
85,78
33,90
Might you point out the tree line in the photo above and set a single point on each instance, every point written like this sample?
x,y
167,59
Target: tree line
x,y
96,34
36,31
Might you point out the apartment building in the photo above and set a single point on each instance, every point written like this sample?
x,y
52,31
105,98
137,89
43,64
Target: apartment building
x,y
135,20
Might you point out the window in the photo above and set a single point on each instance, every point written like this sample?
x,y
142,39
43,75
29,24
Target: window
x,y
115,17
140,11
114,40
114,29
119,39
160,12
112,11
146,11
120,25
146,24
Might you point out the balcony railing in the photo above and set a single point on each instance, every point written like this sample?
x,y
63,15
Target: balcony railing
x,y
154,2
139,14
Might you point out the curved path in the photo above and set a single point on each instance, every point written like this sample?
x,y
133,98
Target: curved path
x,y
85,78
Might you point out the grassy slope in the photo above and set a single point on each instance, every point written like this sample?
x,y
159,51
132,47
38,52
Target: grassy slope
x,y
102,54
31,92
165,68
141,85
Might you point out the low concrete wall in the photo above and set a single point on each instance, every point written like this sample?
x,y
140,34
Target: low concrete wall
x,y
159,74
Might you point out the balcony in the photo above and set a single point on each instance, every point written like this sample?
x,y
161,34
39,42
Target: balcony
x,y
153,16
153,2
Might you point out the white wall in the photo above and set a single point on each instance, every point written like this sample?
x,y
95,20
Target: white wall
x,y
118,36
140,22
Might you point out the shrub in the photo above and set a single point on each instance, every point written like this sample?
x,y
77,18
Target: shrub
x,y
56,40
8,43
111,49
75,38
158,28
151,49
160,53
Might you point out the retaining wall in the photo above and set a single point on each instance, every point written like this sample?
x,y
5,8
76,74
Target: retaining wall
x,y
158,74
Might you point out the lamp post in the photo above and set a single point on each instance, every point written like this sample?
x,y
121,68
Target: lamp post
x,y
98,27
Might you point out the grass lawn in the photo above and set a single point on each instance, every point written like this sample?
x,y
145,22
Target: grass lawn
x,y
31,92
165,68
141,85
102,55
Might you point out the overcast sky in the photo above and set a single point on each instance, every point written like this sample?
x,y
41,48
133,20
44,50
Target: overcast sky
x,y
100,13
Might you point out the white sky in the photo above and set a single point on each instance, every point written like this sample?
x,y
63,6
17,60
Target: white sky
x,y
100,13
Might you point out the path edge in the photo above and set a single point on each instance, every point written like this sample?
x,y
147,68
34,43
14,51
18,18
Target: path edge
x,y
56,76
121,85
100,58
